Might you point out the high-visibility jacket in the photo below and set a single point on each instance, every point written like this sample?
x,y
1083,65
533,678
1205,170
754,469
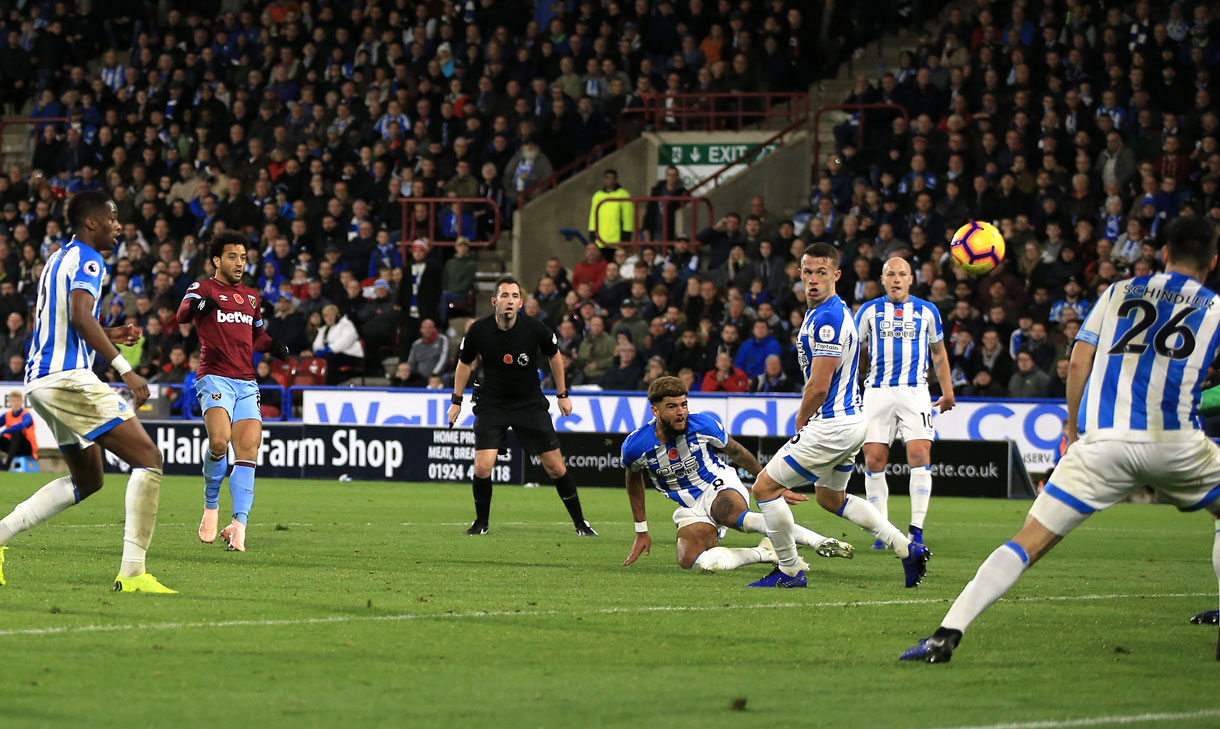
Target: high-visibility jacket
x,y
21,424
613,221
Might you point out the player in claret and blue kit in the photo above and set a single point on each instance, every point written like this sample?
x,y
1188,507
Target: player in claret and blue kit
x,y
229,321
1133,388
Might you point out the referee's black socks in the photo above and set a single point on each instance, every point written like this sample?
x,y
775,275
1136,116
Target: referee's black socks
x,y
482,499
565,485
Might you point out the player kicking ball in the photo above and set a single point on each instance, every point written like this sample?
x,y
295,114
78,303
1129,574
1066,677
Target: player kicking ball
x,y
1135,374
898,335
82,411
830,430
229,321
684,457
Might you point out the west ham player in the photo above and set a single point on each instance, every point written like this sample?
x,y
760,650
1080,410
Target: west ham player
x,y
1133,385
684,457
82,412
230,325
898,335
830,430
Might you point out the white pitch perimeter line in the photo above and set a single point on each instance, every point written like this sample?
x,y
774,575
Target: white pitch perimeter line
x,y
1099,720
645,609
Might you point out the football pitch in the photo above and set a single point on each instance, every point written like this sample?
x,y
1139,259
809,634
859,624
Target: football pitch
x,y
363,604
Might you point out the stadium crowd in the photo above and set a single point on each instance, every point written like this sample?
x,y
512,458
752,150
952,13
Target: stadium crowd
x,y
304,124
1080,132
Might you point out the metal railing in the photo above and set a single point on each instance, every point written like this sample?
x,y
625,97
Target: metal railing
x,y
414,228
639,211
720,111
863,109
33,139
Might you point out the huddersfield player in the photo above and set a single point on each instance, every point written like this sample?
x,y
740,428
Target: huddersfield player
x,y
830,430
683,455
1136,371
230,325
80,409
898,335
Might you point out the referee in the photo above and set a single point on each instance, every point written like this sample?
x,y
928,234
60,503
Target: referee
x,y
510,396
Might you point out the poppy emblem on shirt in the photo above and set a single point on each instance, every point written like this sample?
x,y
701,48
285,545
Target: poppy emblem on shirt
x,y
508,359
673,454
238,298
897,313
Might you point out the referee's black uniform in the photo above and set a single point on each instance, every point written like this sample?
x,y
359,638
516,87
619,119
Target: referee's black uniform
x,y
510,395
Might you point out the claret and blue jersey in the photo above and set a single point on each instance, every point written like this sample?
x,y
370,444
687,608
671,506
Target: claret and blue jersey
x,y
830,331
684,467
56,345
1156,336
898,337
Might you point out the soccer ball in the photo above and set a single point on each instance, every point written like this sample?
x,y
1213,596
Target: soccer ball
x,y
977,247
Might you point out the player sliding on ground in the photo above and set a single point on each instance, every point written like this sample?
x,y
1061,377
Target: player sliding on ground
x,y
1136,370
83,412
683,455
830,429
898,335
229,320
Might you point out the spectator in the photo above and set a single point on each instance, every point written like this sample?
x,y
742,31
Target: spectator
x,y
338,342
720,239
1028,381
772,379
725,377
625,372
596,350
377,320
428,357
611,222
15,370
629,320
660,218
525,169
990,366
592,269
420,293
754,352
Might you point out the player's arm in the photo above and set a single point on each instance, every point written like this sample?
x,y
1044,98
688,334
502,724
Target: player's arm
x,y
565,402
863,322
635,494
1079,368
195,304
80,314
940,363
816,389
741,456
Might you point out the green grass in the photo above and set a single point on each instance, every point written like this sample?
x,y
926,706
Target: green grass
x,y
389,616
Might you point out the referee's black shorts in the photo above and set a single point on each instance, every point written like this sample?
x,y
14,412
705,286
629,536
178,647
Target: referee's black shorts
x,y
533,427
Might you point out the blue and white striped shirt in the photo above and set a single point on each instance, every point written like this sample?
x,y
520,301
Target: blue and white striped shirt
x,y
682,468
830,331
1155,337
898,337
113,78
56,346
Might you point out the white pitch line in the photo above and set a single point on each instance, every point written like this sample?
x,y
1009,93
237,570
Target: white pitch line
x,y
644,609
1099,720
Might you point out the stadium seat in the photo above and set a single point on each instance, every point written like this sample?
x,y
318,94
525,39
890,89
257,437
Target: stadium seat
x,y
269,412
315,366
24,464
305,379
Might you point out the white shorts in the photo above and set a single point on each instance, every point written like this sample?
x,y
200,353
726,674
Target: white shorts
x,y
823,453
700,509
1095,475
77,407
906,411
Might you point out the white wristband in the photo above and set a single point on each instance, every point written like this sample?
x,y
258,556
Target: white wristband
x,y
120,365
641,527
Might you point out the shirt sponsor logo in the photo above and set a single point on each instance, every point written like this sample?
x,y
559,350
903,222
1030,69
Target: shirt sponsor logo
x,y
234,317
